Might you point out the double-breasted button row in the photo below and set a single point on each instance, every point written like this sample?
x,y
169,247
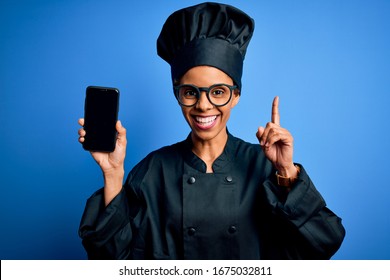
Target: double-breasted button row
x,y
191,230
192,179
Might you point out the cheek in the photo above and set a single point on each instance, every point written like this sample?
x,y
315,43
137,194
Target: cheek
x,y
186,113
228,108
225,114
236,99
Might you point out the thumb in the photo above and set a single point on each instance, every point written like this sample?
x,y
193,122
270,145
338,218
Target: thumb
x,y
120,128
260,132
121,132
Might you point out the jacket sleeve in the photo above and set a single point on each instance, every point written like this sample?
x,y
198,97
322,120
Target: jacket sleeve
x,y
109,232
310,228
106,231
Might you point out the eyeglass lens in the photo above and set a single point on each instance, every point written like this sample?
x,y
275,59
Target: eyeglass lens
x,y
218,95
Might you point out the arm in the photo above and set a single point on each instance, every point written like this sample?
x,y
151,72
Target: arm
x,y
315,232
111,164
105,226
308,229
106,230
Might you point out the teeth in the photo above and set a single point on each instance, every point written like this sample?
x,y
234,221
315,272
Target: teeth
x,y
205,120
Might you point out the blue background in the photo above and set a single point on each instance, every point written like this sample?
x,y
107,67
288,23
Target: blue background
x,y
327,60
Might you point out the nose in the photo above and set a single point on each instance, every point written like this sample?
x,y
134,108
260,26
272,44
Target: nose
x,y
203,103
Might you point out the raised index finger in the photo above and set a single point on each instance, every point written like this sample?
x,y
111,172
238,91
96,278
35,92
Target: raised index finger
x,y
275,117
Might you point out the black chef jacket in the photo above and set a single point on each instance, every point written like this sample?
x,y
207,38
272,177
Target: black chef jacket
x,y
170,208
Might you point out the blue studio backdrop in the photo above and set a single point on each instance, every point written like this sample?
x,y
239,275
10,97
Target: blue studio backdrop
x,y
328,60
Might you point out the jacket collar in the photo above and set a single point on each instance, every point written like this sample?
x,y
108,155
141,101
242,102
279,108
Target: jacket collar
x,y
220,164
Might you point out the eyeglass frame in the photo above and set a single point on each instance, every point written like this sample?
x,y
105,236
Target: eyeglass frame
x,y
206,90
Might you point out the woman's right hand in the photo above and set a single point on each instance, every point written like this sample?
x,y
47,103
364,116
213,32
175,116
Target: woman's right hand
x,y
112,164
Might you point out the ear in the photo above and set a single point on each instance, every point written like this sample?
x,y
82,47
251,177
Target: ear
x,y
235,98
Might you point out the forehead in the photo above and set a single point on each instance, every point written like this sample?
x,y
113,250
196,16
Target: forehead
x,y
205,76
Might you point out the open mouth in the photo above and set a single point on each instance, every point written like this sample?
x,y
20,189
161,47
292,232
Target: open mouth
x,y
205,122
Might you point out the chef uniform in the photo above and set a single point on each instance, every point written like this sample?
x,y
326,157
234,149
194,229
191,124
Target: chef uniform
x,y
170,208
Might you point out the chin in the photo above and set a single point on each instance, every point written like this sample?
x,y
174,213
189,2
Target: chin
x,y
207,135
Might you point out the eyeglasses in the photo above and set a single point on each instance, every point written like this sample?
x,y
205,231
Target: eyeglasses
x,y
218,94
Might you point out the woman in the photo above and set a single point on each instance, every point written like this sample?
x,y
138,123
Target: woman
x,y
211,196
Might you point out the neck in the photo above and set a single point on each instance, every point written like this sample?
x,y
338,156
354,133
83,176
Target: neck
x,y
209,150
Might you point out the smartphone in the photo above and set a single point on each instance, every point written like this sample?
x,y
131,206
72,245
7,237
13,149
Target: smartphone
x,y
100,116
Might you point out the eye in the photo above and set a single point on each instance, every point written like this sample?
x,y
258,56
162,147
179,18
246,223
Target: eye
x,y
189,93
218,92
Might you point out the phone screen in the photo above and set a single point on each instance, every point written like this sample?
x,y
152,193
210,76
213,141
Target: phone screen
x,y
100,116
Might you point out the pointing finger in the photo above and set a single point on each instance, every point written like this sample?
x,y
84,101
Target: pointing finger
x,y
275,117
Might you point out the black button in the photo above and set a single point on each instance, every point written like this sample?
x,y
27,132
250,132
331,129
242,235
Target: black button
x,y
229,179
191,180
191,231
232,229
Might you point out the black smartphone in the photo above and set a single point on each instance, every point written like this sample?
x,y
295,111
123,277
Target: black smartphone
x,y
100,116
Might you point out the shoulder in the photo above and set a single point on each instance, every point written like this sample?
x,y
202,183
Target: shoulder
x,y
163,157
249,156
166,153
244,147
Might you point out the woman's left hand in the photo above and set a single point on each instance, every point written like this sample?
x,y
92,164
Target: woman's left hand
x,y
277,143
